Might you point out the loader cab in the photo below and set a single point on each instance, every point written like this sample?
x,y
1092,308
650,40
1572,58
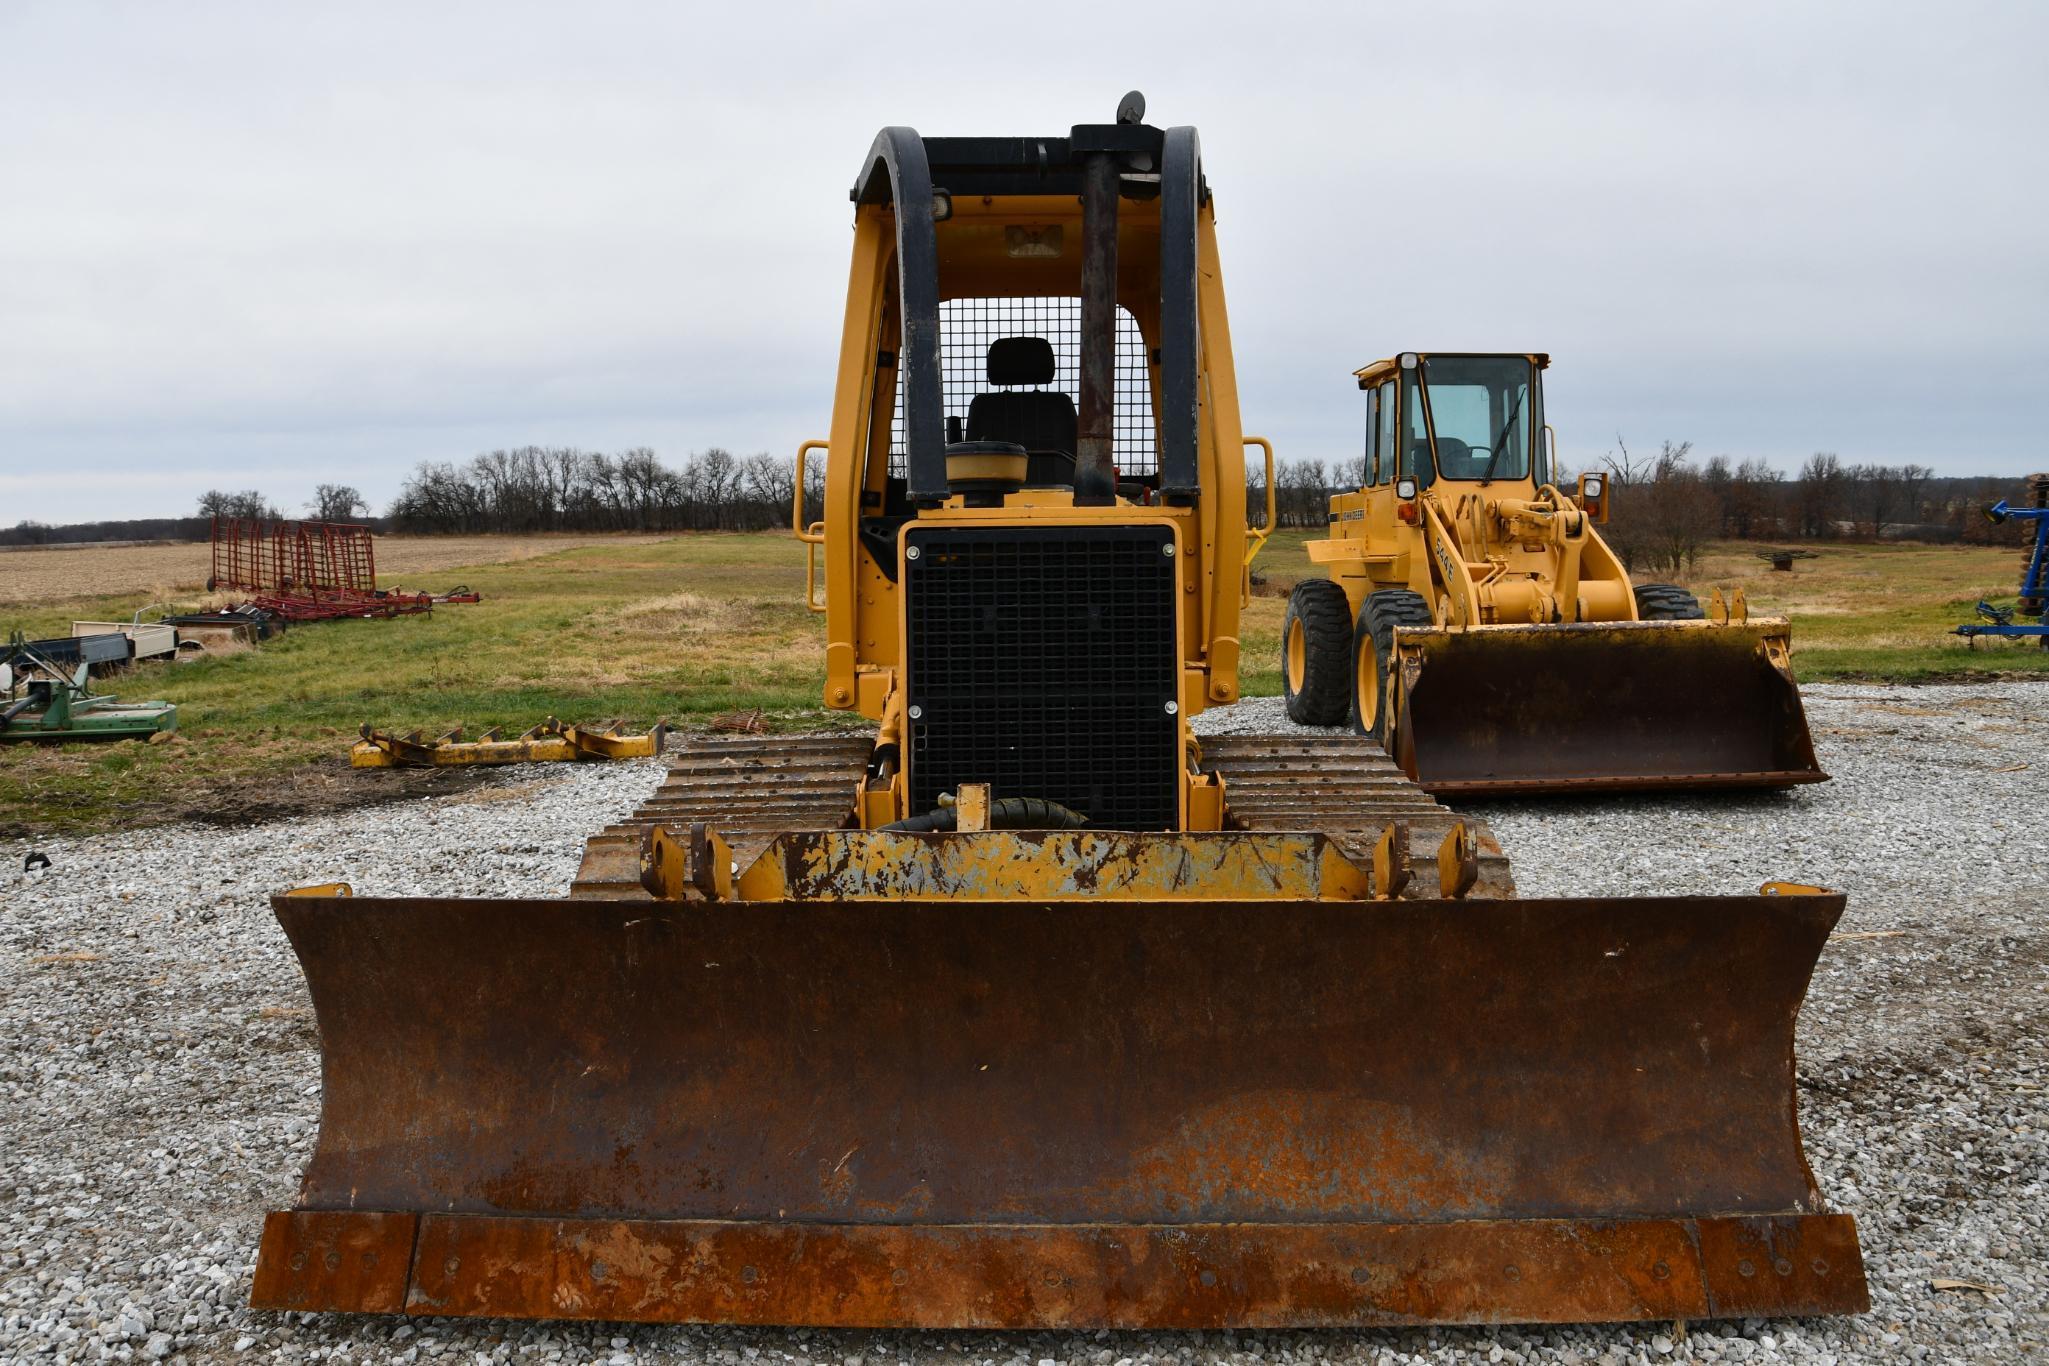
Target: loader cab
x,y
1457,418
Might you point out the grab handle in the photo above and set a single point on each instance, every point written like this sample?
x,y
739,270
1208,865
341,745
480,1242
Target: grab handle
x,y
811,534
1255,537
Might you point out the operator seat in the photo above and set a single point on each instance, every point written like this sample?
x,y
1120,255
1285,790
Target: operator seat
x,y
1457,459
1040,420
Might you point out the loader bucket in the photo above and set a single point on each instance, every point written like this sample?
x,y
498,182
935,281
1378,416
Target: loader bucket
x,y
1112,1113
1612,705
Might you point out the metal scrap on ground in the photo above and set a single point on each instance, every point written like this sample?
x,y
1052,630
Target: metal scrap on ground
x,y
549,742
310,571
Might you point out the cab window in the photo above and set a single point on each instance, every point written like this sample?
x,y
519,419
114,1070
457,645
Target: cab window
x,y
1385,445
1369,467
1482,411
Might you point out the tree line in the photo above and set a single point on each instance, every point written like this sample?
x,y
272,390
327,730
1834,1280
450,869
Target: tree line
x,y
562,488
1665,506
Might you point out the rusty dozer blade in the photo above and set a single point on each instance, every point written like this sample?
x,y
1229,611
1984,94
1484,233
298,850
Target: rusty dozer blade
x,y
1104,1112
1605,705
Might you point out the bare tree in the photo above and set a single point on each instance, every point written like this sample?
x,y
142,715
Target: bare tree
x,y
1662,512
1721,483
1913,485
248,504
1877,490
768,480
1302,492
1753,499
336,503
1623,467
1823,483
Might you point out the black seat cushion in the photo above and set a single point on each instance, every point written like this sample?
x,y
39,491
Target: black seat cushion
x,y
1036,419
1020,360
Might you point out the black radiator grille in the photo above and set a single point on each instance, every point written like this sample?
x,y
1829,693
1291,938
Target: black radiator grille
x,y
1043,662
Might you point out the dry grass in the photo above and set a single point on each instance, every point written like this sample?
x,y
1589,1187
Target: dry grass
x,y
165,572
694,628
1879,611
580,628
1858,611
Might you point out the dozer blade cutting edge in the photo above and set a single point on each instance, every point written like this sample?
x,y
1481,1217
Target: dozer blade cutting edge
x,y
1610,705
1110,1112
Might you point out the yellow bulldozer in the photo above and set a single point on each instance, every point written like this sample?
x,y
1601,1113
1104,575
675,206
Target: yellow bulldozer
x,y
1475,622
1020,1007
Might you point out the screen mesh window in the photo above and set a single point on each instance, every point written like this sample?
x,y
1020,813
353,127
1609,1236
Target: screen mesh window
x,y
967,327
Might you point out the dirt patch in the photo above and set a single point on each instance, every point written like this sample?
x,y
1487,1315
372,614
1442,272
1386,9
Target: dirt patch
x,y
327,786
510,792
164,571
688,614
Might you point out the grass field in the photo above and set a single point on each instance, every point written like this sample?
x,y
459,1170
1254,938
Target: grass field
x,y
1869,612
690,627
637,629
124,575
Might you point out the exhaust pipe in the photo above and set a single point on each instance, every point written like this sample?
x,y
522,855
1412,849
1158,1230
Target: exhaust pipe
x,y
1095,468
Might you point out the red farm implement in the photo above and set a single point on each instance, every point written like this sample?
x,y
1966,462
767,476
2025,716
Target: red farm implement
x,y
309,571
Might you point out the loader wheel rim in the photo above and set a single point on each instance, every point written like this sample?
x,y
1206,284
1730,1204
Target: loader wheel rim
x,y
1366,678
1298,655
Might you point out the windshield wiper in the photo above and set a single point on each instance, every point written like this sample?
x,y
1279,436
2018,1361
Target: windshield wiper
x,y
1494,457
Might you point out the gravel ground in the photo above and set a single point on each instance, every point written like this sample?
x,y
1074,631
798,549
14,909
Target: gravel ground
x,y
159,1071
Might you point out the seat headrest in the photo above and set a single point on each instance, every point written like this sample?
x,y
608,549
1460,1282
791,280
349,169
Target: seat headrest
x,y
1020,360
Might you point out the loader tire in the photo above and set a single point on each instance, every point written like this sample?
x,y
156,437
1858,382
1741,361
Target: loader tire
x,y
1667,602
1316,654
1374,651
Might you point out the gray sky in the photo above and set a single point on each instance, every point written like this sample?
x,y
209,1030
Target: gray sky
x,y
272,245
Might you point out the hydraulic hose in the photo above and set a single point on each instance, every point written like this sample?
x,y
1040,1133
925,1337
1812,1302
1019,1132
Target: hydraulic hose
x,y
1005,813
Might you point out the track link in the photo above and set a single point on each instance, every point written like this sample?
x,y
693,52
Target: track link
x,y
1345,787
754,788
750,789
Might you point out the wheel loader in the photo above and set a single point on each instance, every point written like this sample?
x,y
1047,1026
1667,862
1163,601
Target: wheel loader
x,y
1475,622
1019,1007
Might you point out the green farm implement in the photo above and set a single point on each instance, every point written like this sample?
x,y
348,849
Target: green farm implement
x,y
46,702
